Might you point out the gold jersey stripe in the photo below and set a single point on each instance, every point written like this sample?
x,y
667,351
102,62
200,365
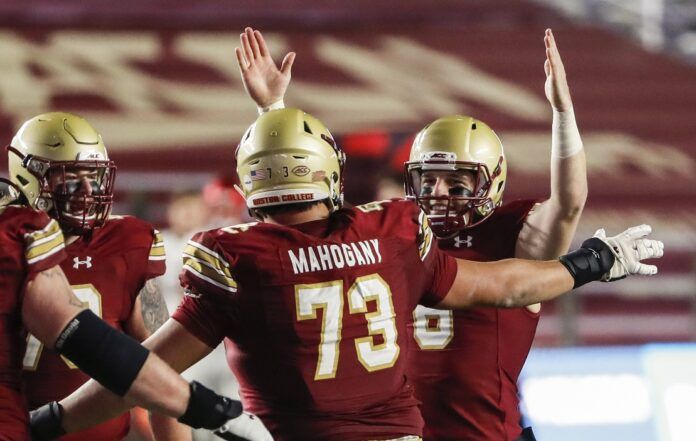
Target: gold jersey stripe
x,y
35,237
209,275
211,271
157,251
56,246
425,236
213,259
203,248
158,240
45,247
42,242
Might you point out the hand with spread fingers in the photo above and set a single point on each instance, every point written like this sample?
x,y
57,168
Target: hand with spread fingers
x,y
630,248
556,86
246,427
263,81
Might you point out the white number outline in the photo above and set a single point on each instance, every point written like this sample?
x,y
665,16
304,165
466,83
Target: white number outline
x,y
433,338
380,322
330,295
331,300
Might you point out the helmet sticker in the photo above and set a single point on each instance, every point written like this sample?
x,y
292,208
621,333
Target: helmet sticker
x,y
300,170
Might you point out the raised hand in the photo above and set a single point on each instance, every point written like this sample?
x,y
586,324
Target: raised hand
x,y
246,427
556,87
629,248
263,81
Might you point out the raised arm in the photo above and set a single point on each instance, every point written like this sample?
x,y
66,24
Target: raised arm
x,y
264,82
550,227
515,282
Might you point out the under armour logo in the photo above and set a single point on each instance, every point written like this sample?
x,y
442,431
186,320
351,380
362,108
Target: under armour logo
x,y
77,262
458,242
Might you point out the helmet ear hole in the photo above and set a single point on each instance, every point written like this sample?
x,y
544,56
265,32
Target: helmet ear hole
x,y
334,177
307,129
22,180
500,185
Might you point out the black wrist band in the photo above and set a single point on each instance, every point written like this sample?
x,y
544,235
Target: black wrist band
x,y
589,262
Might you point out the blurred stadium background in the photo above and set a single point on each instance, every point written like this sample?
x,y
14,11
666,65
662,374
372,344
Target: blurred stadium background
x,y
159,80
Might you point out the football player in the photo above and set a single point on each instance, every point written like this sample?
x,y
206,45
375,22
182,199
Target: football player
x,y
60,164
313,301
457,174
465,364
36,296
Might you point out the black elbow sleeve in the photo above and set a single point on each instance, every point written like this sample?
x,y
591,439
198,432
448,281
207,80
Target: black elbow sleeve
x,y
105,354
589,262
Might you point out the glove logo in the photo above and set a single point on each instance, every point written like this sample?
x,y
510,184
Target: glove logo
x,y
87,262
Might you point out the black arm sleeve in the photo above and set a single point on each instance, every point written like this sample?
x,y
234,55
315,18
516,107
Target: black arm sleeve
x,y
105,354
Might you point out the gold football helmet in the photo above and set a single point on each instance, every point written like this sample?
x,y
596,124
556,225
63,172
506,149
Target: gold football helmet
x,y
459,145
59,163
286,157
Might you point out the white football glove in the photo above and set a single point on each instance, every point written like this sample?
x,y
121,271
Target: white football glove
x,y
246,427
629,248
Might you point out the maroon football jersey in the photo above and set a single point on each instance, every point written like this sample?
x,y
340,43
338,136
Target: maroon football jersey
x,y
315,316
106,272
30,242
465,364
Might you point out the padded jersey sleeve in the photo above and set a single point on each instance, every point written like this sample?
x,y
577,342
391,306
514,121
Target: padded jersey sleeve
x,y
156,265
145,252
206,268
43,243
210,290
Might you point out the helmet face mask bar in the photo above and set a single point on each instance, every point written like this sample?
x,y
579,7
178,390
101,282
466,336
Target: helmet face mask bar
x,y
450,213
59,194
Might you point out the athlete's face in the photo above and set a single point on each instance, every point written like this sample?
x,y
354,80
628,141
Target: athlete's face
x,y
443,183
77,181
73,184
